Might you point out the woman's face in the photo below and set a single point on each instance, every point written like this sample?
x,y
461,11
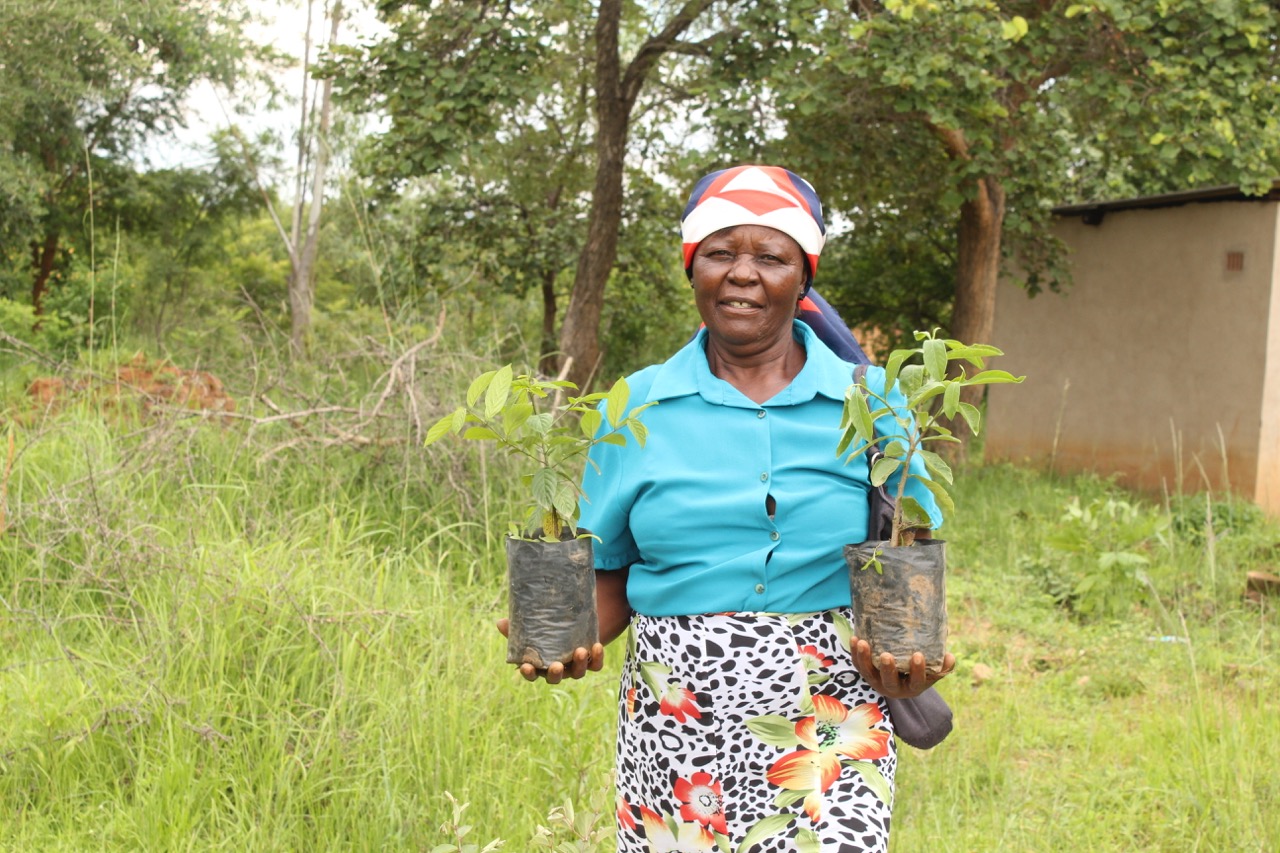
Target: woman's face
x,y
747,281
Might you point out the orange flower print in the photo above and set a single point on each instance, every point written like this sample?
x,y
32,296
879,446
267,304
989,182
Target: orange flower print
x,y
814,659
832,734
631,703
668,836
626,816
703,801
846,731
679,702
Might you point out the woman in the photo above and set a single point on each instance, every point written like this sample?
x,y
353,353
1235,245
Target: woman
x,y
746,710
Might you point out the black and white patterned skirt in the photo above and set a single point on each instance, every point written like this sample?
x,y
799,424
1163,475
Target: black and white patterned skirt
x,y
750,727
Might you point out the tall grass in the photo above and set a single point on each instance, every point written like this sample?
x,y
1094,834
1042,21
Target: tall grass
x,y
207,643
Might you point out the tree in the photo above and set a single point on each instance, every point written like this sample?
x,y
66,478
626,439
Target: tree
x,y
464,80
995,110
489,138
83,85
617,86
313,145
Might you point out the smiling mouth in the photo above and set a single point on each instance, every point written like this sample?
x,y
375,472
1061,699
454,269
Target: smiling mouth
x,y
734,303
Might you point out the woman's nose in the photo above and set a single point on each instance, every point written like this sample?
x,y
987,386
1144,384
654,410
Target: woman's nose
x,y
744,266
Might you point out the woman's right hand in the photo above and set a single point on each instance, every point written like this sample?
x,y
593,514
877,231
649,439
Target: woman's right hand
x,y
584,661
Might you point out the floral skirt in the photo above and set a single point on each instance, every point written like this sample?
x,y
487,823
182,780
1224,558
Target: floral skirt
x,y
744,729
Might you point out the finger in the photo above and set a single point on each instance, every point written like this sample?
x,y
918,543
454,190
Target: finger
x,y
915,679
889,675
863,663
578,666
554,673
527,670
504,627
597,658
861,654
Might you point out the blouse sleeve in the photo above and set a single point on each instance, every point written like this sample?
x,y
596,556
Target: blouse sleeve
x,y
606,504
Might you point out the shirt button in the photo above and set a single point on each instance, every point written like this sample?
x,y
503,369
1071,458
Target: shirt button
x,y
764,477
759,589
775,536
760,414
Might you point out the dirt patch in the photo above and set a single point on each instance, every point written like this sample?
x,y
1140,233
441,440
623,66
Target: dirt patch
x,y
138,385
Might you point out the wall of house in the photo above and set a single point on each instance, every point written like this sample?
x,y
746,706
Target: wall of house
x,y
1160,363
1267,488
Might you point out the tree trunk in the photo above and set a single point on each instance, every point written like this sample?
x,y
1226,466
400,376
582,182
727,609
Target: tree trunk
x,y
547,363
616,94
580,336
977,272
43,256
302,277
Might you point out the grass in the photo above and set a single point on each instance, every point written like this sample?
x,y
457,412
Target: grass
x,y
206,644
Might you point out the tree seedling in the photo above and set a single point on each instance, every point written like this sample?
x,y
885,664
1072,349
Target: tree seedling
x,y
528,419
932,387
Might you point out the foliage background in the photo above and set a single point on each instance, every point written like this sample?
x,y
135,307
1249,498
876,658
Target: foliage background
x,y
271,628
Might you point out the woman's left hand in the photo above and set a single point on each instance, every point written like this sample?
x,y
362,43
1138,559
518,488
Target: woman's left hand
x,y
883,674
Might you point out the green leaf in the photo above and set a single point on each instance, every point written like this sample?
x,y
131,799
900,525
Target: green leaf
x,y
616,406
951,399
1014,29
478,385
940,495
774,730
1076,9
847,435
913,514
651,673
808,841
884,469
566,501
766,828
439,429
894,366
638,430
480,433
874,778
858,412
590,422
910,379
936,465
972,416
545,483
514,417
844,630
541,423
992,377
495,396
614,438
787,798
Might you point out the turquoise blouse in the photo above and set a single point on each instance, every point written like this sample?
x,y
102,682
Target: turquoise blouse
x,y
687,512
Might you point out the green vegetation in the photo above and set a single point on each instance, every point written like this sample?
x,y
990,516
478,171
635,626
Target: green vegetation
x,y
552,444
932,377
242,634
267,624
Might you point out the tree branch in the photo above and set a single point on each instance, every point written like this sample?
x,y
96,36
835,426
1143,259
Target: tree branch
x,y
653,49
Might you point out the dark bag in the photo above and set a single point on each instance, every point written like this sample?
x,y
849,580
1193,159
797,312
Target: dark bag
x,y
924,721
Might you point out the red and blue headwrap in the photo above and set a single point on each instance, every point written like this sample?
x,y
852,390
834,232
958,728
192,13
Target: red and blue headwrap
x,y
755,195
776,198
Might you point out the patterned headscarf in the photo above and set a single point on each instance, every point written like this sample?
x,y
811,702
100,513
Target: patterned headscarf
x,y
755,195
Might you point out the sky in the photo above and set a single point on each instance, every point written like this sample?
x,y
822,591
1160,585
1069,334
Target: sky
x,y
284,27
